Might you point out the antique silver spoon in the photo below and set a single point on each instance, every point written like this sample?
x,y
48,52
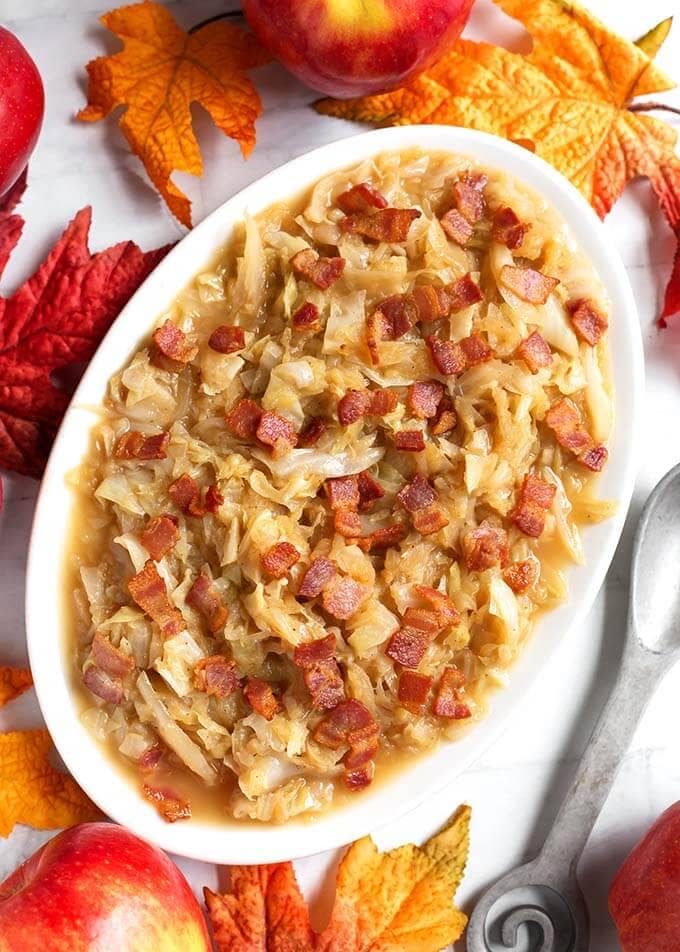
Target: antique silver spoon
x,y
539,907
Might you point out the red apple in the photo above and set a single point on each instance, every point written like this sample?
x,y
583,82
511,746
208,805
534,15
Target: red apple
x,y
349,48
644,898
22,102
98,888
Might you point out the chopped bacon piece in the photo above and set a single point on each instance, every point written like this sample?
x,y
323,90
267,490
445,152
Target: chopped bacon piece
x,y
445,419
150,759
589,322
306,318
109,658
106,686
186,495
324,683
347,523
430,520
422,619
533,501
227,339
244,418
323,272
369,490
148,590
475,350
423,398
261,698
409,441
527,284
275,431
279,558
382,402
216,676
468,195
418,494
520,575
311,432
594,458
343,597
350,724
135,445
377,328
413,690
449,699
353,406
456,227
443,607
320,574
360,777
400,313
535,352
431,303
343,492
204,597
565,420
383,538
169,805
447,356
312,652
485,547
463,293
172,343
160,536
507,229
386,224
407,646
213,499
360,198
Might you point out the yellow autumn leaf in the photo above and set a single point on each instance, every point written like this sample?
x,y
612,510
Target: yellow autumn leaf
x,y
158,75
13,682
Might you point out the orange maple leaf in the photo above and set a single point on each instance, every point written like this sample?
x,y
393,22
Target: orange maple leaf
x,y
400,900
159,73
570,100
13,682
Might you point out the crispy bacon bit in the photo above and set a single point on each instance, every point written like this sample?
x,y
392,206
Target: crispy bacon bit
x,y
351,725
172,343
430,520
386,224
447,356
401,315
320,574
423,398
443,606
413,690
360,198
169,805
445,419
204,597
306,318
533,501
450,692
216,676
312,652
535,352
475,350
343,597
213,499
409,441
589,322
369,490
529,285
135,445
150,759
377,329
227,339
186,495
456,227
565,420
407,647
353,406
347,523
343,492
279,558
463,293
520,575
485,547
383,538
382,402
323,272
324,683
360,777
244,418
468,196
311,432
160,536
594,458
275,431
418,494
106,686
147,589
109,658
431,303
422,619
261,698
507,229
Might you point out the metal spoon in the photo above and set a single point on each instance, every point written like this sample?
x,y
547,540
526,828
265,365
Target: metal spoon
x,y
539,907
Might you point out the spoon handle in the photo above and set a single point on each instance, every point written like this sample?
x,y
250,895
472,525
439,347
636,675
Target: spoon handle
x,y
641,670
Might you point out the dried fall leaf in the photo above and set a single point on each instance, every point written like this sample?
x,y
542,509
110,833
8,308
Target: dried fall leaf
x,y
570,100
399,901
159,73
11,225
32,791
13,682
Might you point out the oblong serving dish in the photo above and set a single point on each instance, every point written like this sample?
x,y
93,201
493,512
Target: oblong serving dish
x,y
249,843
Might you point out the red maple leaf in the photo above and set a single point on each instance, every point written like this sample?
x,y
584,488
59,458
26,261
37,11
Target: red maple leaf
x,y
52,322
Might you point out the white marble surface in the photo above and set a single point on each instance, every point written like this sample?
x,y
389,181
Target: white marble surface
x,y
516,786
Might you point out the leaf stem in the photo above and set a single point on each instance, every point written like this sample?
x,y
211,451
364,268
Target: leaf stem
x,y
218,16
649,106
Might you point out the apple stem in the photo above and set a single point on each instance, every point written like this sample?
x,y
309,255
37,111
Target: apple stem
x,y
649,106
218,16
